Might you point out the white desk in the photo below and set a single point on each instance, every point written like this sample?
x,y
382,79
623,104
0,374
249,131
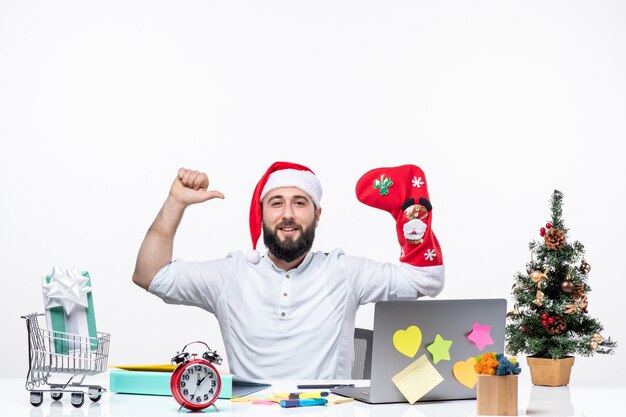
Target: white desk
x,y
576,400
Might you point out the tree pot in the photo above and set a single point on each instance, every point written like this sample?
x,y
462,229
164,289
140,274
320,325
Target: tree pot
x,y
550,372
496,395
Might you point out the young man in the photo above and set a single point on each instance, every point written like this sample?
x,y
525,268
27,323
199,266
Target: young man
x,y
290,314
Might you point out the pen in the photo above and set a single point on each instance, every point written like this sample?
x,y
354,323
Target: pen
x,y
296,395
303,402
324,386
318,394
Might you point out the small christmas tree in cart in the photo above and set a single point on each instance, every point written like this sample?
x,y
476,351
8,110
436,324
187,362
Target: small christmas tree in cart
x,y
550,321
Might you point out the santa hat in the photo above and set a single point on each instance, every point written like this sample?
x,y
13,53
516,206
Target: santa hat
x,y
279,175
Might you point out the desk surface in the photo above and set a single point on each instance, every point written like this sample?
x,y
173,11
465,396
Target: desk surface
x,y
576,400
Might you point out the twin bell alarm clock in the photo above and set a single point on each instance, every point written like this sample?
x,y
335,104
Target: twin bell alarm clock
x,y
195,382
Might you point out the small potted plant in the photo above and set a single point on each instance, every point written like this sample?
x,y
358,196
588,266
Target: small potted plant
x,y
496,392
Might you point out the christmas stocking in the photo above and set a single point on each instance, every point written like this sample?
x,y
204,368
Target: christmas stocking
x,y
403,192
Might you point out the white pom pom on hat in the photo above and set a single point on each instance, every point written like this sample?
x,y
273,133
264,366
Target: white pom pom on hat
x,y
253,256
279,175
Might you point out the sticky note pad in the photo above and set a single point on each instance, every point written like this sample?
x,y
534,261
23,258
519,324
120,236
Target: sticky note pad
x,y
417,379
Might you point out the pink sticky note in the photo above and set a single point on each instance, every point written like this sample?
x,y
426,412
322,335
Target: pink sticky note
x,y
264,402
480,335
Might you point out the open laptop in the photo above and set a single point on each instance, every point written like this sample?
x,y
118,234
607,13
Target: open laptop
x,y
453,320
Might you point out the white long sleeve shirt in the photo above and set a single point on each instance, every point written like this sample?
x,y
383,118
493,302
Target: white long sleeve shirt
x,y
296,324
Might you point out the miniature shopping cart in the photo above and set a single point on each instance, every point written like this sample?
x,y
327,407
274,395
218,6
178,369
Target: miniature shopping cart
x,y
51,353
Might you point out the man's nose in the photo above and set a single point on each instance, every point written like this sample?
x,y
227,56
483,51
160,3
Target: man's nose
x,y
288,212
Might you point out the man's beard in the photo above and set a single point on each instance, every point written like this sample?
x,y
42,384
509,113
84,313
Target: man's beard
x,y
289,250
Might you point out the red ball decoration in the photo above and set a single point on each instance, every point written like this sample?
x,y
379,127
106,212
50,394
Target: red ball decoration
x,y
548,225
542,231
544,316
551,320
544,322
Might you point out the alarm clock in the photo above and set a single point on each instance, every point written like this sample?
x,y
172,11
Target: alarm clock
x,y
195,382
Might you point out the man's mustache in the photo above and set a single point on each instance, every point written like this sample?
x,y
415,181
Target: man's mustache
x,y
289,223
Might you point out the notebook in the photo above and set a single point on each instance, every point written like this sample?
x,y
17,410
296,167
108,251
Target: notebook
x,y
155,380
430,345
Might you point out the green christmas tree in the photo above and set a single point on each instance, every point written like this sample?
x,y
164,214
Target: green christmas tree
x,y
550,317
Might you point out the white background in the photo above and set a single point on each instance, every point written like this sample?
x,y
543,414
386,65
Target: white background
x,y
499,102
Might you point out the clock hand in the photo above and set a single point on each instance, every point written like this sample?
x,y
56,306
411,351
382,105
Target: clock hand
x,y
199,382
194,393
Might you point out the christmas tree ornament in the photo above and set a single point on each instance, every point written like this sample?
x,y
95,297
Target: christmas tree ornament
x,y
554,239
579,291
577,306
555,325
567,286
548,225
542,231
539,278
514,312
538,301
585,268
597,337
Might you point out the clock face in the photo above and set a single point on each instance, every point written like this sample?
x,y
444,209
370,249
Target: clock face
x,y
199,384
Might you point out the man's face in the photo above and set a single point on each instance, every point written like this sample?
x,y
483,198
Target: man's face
x,y
289,222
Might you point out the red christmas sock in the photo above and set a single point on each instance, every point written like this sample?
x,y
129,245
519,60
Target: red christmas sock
x,y
403,192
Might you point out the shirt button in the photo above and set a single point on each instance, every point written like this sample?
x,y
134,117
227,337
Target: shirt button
x,y
284,294
287,276
283,314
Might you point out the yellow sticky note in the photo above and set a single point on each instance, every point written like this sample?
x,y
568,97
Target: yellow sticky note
x,y
408,341
337,399
417,379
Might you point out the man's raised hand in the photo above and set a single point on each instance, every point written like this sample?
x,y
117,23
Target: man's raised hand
x,y
191,187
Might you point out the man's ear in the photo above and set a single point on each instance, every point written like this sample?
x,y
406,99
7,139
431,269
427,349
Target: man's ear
x,y
318,213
